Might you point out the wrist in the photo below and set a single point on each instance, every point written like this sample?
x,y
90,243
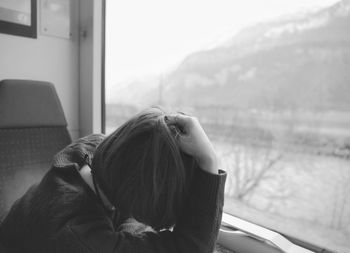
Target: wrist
x,y
209,164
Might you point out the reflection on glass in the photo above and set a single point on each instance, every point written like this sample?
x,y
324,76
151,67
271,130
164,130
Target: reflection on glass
x,y
274,97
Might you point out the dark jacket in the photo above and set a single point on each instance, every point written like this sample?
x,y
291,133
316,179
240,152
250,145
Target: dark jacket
x,y
62,214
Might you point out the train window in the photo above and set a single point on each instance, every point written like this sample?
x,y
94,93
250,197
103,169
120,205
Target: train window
x,y
269,80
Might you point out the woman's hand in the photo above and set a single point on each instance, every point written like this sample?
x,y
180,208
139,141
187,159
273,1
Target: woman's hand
x,y
193,140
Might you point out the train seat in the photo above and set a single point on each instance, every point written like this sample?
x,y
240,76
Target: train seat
x,y
33,128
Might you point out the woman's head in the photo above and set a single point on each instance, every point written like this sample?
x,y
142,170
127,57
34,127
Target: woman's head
x,y
142,171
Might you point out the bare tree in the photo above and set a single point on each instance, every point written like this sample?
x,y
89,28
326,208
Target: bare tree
x,y
250,156
249,168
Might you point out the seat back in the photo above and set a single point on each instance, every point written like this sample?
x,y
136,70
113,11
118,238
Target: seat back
x,y
33,129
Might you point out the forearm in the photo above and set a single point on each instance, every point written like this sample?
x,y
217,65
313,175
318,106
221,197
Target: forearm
x,y
201,218
209,164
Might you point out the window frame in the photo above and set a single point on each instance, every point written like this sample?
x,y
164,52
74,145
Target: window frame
x,y
103,68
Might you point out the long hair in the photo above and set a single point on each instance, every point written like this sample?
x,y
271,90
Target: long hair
x,y
142,170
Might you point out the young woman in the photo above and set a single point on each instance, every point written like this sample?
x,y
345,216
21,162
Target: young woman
x,y
151,186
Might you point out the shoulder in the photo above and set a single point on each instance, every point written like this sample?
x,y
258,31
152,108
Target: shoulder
x,y
78,152
93,138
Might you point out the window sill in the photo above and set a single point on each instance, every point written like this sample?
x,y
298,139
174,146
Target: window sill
x,y
242,236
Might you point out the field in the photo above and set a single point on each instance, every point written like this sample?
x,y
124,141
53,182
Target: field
x,y
290,193
289,176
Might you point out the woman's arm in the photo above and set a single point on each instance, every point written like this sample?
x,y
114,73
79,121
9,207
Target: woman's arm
x,y
193,140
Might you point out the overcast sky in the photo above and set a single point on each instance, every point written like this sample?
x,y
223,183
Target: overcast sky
x,y
148,37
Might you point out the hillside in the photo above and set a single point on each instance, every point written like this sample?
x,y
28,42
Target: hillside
x,y
297,62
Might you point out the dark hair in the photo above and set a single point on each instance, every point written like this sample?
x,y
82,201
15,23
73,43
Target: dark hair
x,y
142,171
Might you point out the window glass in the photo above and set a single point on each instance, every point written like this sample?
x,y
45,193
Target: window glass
x,y
269,81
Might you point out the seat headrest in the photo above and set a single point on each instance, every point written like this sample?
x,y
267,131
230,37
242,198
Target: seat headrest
x,y
26,103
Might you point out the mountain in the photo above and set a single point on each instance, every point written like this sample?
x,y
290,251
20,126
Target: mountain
x,y
296,62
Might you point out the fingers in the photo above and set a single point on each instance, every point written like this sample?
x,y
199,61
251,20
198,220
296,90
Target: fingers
x,y
177,119
178,124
